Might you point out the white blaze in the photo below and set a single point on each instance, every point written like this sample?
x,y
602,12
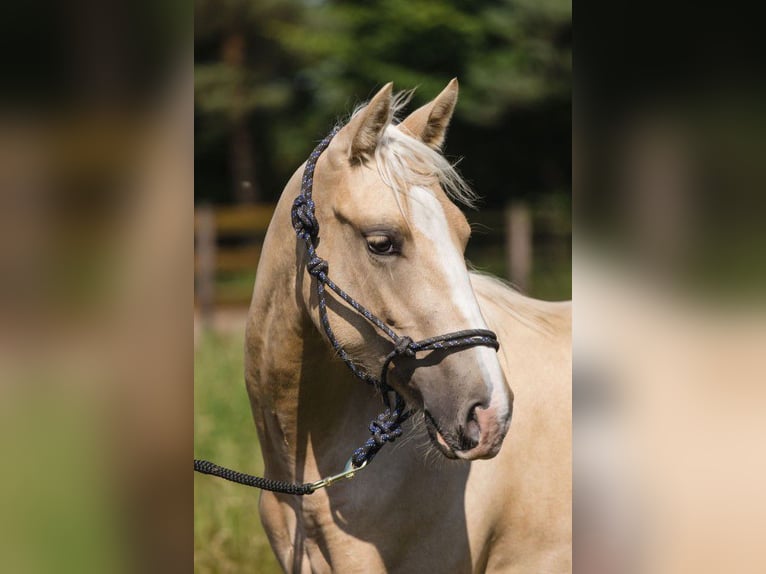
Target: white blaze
x,y
427,216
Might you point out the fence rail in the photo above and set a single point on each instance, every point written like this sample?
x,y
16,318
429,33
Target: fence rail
x,y
228,241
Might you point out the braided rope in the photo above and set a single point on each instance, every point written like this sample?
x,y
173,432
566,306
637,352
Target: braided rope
x,y
207,467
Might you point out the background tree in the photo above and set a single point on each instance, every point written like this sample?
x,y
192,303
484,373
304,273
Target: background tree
x,y
239,73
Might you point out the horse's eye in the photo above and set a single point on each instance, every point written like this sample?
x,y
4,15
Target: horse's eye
x,y
381,245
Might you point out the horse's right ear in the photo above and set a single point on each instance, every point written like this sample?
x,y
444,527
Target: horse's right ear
x,y
363,132
429,123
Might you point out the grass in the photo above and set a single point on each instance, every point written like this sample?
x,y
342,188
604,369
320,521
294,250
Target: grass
x,y
228,536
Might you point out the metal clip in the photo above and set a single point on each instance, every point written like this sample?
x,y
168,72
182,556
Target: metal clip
x,y
348,472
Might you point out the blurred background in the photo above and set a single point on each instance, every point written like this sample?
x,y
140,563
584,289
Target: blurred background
x,y
96,275
271,79
669,141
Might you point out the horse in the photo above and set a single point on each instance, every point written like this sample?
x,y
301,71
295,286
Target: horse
x,y
454,493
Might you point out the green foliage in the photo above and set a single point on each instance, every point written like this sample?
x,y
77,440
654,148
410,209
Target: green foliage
x,y
307,63
507,53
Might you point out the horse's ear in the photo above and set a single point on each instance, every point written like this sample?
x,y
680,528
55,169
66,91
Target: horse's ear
x,y
365,128
429,123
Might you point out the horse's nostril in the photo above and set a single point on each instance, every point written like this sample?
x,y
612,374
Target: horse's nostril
x,y
472,413
471,434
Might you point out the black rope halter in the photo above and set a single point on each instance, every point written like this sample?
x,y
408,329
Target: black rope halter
x,y
387,426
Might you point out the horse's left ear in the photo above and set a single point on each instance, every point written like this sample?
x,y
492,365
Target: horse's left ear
x,y
362,134
429,123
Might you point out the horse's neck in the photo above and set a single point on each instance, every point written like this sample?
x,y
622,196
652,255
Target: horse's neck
x,y
308,409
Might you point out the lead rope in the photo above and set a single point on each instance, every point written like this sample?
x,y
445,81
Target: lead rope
x,y
207,467
386,427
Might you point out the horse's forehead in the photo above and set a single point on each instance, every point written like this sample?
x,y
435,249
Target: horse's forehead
x,y
361,193
365,180
430,209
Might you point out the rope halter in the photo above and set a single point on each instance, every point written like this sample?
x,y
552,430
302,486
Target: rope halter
x,y
387,426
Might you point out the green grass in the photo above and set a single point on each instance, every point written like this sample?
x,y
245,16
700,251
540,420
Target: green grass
x,y
228,536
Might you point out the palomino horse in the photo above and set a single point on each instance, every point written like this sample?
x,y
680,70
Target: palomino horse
x,y
395,240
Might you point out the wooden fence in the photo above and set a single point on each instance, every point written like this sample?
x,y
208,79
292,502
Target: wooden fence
x,y
228,242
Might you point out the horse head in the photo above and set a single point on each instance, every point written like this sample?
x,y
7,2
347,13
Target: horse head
x,y
395,240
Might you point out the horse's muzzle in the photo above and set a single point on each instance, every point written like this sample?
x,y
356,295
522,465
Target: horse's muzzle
x,y
480,438
492,426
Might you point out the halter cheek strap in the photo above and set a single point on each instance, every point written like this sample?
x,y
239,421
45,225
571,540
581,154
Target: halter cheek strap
x,y
387,426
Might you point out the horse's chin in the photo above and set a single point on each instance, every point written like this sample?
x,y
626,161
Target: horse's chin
x,y
436,437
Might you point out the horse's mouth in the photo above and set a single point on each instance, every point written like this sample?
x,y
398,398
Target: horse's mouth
x,y
437,438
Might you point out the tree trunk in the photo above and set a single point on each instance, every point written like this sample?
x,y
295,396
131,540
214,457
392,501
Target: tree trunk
x,y
241,152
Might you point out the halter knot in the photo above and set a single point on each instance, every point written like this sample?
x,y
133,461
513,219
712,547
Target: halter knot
x,y
316,266
303,218
404,347
386,428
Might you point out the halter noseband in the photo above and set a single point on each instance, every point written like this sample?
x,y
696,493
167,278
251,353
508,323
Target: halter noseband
x,y
387,426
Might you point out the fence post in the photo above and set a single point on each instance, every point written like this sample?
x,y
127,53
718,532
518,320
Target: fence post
x,y
206,251
518,244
